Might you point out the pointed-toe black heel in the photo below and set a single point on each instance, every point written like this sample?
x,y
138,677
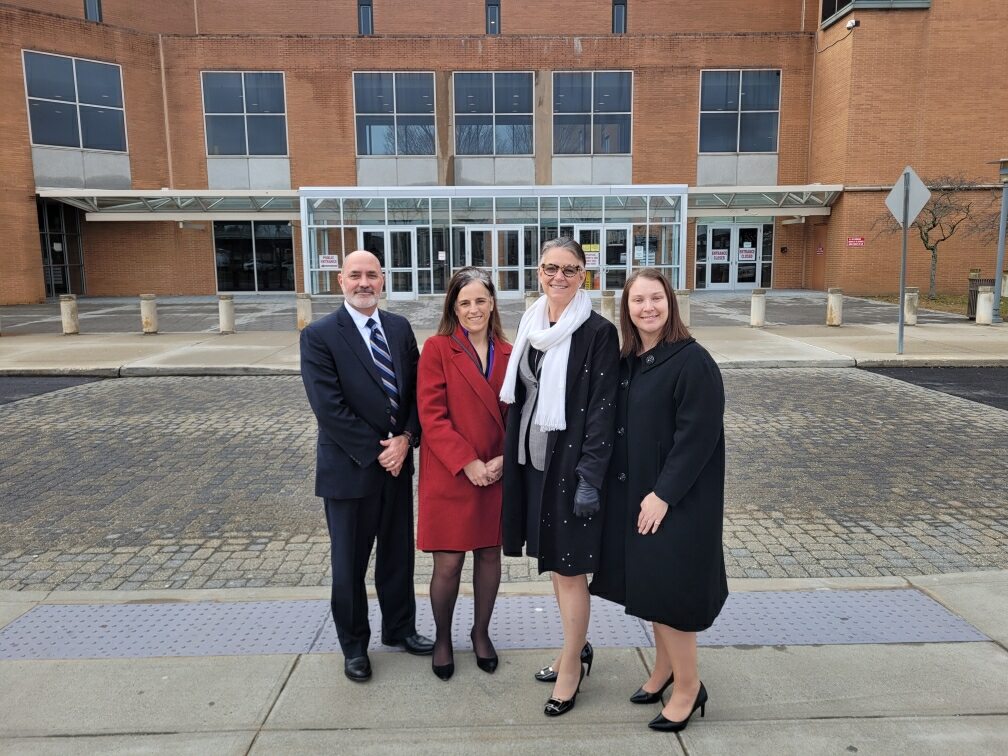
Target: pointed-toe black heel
x,y
646,697
666,725
487,663
555,707
444,671
548,674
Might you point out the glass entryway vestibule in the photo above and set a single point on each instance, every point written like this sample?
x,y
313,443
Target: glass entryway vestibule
x,y
732,256
423,234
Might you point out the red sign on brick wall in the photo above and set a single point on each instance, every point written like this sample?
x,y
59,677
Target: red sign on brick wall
x,y
855,241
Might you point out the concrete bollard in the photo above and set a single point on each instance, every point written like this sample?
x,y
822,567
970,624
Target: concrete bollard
x,y
757,309
985,305
609,305
530,298
68,312
304,310
1004,284
682,299
225,309
911,300
148,313
834,307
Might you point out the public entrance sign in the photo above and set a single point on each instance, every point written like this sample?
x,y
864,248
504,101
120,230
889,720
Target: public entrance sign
x,y
905,201
855,241
329,262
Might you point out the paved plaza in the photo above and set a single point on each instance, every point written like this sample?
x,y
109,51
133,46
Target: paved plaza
x,y
207,482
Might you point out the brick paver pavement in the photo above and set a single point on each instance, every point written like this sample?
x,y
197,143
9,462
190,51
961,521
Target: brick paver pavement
x,y
207,482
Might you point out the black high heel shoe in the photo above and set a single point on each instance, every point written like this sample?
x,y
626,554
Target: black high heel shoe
x,y
548,674
487,663
665,725
555,707
444,671
646,697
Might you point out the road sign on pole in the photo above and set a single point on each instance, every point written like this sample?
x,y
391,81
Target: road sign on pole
x,y
905,201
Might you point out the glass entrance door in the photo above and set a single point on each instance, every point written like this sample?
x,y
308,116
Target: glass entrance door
x,y
719,257
590,238
396,249
747,251
732,257
499,250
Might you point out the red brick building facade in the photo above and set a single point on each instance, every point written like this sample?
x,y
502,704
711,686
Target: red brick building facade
x,y
915,82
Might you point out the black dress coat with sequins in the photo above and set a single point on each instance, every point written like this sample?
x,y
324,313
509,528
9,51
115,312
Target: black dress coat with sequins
x,y
670,440
568,545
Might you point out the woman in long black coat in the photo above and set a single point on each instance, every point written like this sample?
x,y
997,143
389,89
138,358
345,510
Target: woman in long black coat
x,y
562,383
662,555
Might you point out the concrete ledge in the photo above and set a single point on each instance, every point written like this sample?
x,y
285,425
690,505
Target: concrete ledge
x,y
150,371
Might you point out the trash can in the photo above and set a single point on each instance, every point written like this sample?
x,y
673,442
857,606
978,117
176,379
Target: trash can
x,y
975,282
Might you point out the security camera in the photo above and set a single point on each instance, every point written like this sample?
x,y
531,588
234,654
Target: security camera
x,y
853,24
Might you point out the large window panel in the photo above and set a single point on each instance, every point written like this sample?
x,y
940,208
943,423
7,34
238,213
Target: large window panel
x,y
758,132
225,135
503,102
63,93
718,132
222,93
264,93
612,92
98,84
719,90
267,135
49,76
414,93
245,113
611,134
513,135
739,111
376,135
592,112
474,135
415,135
394,113
571,134
513,92
102,129
572,93
54,123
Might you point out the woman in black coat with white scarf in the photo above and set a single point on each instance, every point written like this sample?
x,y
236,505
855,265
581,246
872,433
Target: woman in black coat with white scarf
x,y
561,381
662,555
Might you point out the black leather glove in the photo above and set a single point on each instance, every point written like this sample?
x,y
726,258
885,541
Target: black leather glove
x,y
586,499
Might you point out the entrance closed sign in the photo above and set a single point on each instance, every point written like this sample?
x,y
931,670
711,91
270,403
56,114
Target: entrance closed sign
x,y
855,241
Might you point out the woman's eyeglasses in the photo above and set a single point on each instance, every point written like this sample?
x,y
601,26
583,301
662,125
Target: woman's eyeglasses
x,y
569,271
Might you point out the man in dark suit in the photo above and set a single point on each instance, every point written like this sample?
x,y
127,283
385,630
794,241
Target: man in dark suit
x,y
359,365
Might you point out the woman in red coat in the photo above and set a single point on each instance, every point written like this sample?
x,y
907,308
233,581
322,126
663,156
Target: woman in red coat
x,y
458,381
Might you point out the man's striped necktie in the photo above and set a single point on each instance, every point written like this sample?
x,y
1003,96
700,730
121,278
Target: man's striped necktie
x,y
383,361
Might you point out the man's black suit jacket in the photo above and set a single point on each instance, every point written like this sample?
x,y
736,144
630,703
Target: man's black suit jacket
x,y
353,411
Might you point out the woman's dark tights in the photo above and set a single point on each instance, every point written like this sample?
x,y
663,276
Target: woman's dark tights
x,y
444,587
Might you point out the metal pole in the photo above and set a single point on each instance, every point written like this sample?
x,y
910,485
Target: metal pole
x,y
999,267
902,290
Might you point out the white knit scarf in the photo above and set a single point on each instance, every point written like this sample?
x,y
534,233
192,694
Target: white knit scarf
x,y
555,343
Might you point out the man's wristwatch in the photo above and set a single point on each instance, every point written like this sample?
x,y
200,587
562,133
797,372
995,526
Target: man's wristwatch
x,y
409,437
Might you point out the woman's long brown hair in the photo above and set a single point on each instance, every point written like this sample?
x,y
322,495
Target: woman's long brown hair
x,y
462,278
674,330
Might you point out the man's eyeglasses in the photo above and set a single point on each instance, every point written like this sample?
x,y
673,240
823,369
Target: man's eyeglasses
x,y
569,271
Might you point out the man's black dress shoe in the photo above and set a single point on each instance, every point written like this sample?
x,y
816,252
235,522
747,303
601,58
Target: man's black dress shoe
x,y
357,668
416,644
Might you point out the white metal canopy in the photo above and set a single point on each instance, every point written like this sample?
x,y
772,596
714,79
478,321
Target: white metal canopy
x,y
790,201
180,205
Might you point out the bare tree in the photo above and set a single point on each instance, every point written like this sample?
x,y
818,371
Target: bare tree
x,y
954,205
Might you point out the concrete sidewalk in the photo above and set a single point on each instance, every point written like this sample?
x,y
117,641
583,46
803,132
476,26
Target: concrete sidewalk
x,y
960,344
893,698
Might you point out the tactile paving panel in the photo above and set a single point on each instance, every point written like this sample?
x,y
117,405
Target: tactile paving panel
x,y
211,628
206,628
802,618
